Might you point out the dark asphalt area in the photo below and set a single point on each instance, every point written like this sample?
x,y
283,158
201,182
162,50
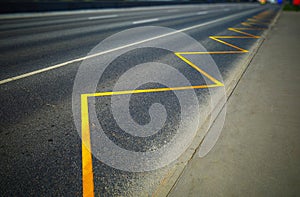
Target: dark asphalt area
x,y
40,146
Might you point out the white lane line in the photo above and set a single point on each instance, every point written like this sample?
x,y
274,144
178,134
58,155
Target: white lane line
x,y
201,13
103,17
145,21
122,47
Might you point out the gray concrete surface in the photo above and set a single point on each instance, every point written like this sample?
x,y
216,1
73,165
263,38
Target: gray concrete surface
x,y
258,153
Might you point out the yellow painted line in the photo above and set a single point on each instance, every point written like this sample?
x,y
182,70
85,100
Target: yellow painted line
x,y
257,20
236,37
246,24
250,24
239,30
247,28
228,44
152,90
242,32
199,69
261,19
87,168
212,52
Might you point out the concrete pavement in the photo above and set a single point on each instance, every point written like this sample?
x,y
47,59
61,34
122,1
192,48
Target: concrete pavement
x,y
258,153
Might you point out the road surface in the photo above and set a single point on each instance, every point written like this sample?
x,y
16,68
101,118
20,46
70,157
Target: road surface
x,y
41,149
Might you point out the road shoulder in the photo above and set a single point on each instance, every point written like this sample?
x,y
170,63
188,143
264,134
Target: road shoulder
x,y
258,151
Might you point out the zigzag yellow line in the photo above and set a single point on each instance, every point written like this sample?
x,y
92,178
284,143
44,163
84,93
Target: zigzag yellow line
x,y
87,168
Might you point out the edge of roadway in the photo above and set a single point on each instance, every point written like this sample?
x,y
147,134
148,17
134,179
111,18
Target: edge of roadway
x,y
172,176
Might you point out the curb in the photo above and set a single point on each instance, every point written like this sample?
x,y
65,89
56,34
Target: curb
x,y
174,174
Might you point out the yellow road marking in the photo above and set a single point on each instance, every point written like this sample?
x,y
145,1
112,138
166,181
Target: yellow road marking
x,y
211,52
218,83
252,28
242,32
87,168
139,91
228,44
257,21
238,37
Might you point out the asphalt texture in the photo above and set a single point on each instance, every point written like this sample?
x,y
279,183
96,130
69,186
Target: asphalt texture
x,y
40,145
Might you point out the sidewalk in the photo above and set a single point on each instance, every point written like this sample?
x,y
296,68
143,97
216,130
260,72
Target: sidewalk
x,y
258,153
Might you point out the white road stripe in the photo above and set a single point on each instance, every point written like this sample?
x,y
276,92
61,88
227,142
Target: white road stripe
x,y
122,47
103,17
201,13
145,21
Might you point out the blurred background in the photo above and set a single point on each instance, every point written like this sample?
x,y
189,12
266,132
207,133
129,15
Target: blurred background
x,y
13,6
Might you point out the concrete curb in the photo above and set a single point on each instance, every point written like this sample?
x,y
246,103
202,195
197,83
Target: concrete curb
x,y
170,181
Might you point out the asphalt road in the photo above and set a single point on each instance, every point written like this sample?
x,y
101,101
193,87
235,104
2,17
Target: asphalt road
x,y
40,147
